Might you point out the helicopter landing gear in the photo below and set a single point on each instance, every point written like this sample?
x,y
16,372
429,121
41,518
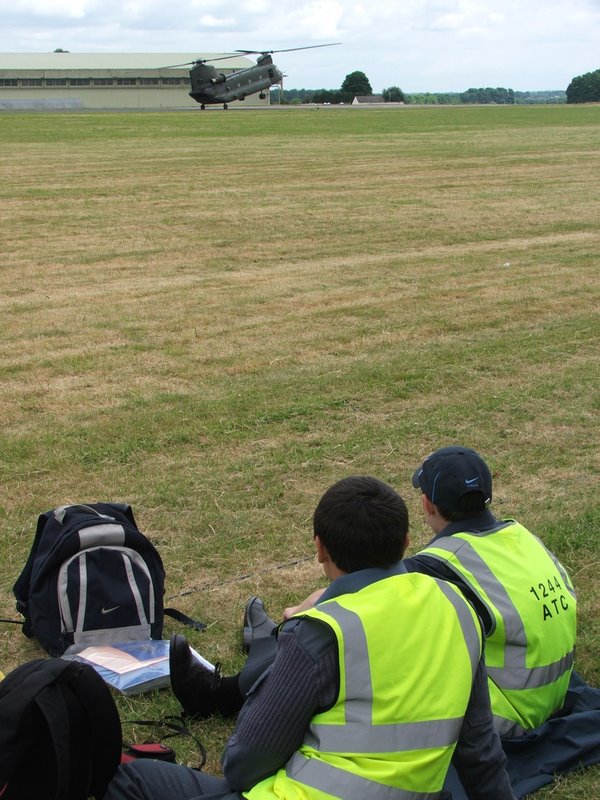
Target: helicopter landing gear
x,y
225,106
202,106
262,95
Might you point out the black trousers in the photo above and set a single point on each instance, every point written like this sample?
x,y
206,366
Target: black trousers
x,y
145,779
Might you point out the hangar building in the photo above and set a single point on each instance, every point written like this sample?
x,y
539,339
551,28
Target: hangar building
x,y
105,80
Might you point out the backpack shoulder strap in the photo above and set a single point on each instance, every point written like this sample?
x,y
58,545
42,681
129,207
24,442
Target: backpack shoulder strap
x,y
23,683
85,731
53,706
103,724
21,586
174,613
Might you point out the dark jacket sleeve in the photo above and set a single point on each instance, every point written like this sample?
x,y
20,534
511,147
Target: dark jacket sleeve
x,y
479,758
302,680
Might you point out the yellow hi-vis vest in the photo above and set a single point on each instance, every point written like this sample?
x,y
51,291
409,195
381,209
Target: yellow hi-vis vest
x,y
408,649
529,651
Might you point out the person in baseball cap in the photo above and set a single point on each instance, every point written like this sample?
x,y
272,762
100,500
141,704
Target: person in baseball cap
x,y
521,591
456,479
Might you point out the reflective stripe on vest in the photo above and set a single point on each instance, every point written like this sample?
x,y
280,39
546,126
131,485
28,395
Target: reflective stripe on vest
x,y
532,678
324,777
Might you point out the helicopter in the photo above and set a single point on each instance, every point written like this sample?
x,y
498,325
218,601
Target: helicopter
x,y
210,87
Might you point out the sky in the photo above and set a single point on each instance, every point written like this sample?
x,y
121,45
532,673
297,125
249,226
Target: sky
x,y
418,45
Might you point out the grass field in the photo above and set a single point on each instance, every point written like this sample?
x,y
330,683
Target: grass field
x,y
213,316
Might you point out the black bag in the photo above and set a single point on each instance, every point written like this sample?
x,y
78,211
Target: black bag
x,y
91,577
60,733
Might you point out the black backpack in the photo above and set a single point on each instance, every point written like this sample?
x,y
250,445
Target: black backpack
x,y
91,577
60,733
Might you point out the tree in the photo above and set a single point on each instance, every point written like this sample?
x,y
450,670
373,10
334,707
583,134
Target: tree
x,y
327,96
499,96
356,84
584,88
393,94
60,50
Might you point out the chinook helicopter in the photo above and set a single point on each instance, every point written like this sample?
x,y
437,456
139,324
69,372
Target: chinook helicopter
x,y
210,87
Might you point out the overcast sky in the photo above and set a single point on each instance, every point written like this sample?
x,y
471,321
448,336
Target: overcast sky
x,y
419,45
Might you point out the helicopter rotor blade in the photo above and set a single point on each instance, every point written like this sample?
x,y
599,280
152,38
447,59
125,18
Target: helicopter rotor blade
x,y
174,66
221,58
248,53
203,61
287,50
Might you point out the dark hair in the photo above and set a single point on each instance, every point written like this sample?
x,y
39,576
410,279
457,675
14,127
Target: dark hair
x,y
363,523
470,505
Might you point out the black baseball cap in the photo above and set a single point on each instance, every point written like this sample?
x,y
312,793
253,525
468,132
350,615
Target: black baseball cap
x,y
450,473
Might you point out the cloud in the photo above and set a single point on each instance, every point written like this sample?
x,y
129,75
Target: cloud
x,y
208,21
420,45
321,18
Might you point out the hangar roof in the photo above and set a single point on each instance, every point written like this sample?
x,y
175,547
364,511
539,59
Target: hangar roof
x,y
87,61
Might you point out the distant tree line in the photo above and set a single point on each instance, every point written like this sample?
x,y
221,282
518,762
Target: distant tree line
x,y
456,98
357,84
498,96
548,97
584,88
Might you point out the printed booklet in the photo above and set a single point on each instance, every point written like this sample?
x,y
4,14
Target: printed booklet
x,y
130,667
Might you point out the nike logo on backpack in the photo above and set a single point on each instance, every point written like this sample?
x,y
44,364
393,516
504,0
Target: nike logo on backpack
x,y
108,610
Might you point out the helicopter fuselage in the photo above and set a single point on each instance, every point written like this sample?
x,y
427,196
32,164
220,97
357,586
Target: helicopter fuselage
x,y
209,86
